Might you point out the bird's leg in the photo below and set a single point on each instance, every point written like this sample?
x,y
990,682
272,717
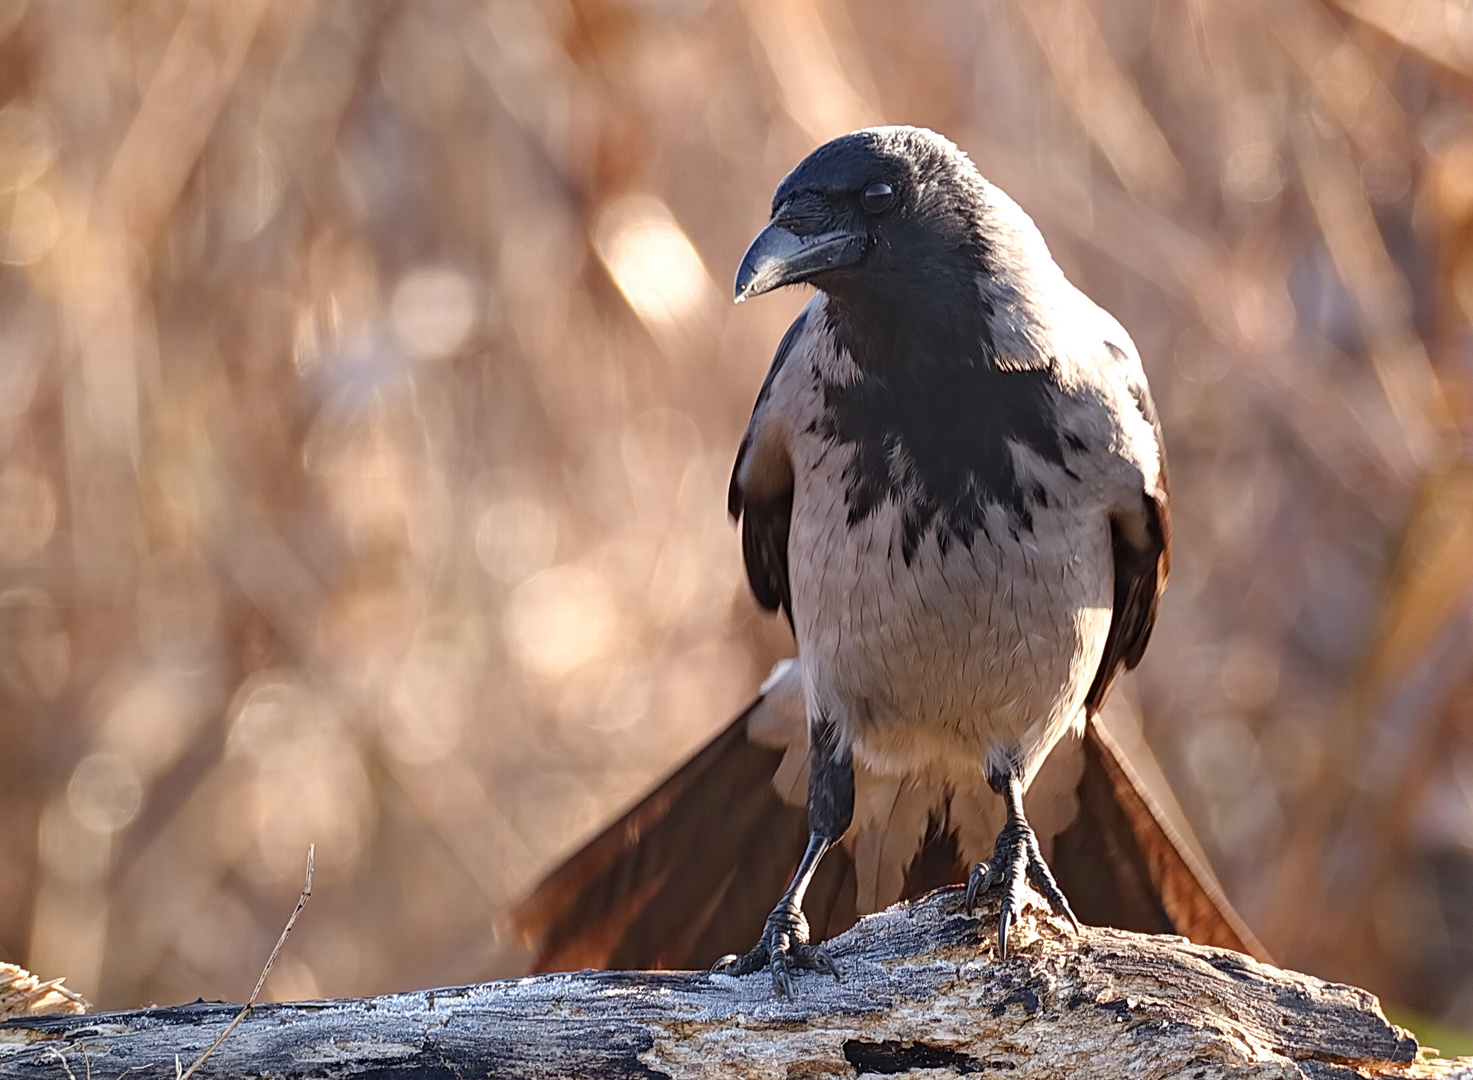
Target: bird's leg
x,y
784,946
1015,856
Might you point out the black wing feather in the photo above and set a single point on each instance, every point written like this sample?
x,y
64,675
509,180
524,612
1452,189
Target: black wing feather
x,y
1142,564
765,525
766,518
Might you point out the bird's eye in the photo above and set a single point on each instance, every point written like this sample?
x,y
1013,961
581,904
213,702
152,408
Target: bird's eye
x,y
877,197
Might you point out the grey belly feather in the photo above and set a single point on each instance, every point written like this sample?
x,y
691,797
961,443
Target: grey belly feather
x,y
964,657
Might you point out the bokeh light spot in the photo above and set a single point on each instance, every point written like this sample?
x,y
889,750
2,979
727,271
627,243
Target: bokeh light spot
x,y
27,513
150,723
432,312
515,537
69,849
28,144
1253,173
560,620
104,793
31,227
427,708
651,259
305,781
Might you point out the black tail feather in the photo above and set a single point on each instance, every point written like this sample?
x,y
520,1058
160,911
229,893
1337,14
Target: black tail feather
x,y
660,875
1124,862
692,871
760,872
695,862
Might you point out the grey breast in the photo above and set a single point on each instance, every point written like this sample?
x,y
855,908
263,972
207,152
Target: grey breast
x,y
951,588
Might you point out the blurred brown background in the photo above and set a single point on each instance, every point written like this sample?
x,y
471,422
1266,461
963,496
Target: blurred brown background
x,y
368,386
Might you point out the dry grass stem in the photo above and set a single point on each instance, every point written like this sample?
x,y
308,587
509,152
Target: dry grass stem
x,y
256,991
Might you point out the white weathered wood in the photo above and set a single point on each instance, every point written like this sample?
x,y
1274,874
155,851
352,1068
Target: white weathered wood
x,y
921,995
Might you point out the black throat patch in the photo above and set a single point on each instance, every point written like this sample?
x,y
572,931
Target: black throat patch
x,y
931,419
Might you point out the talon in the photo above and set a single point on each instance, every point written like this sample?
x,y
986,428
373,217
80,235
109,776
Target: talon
x,y
824,964
736,966
1043,881
782,982
1016,858
978,882
783,950
974,888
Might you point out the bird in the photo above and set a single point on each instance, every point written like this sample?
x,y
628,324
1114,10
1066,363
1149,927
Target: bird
x,y
954,488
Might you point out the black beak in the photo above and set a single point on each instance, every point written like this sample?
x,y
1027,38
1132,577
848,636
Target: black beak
x,y
778,257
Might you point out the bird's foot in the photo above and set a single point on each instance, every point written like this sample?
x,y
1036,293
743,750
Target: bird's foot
x,y
1015,857
783,949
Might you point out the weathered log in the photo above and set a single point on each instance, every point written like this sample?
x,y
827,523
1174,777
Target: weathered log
x,y
922,994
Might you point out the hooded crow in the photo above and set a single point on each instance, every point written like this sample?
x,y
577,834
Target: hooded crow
x,y
953,485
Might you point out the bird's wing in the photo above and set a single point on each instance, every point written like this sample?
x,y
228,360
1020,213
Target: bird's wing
x,y
1140,541
761,491
1140,537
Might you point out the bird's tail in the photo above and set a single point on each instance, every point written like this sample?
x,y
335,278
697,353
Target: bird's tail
x,y
1130,859
687,875
691,872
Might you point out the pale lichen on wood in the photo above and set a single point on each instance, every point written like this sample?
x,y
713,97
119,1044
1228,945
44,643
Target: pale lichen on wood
x,y
922,994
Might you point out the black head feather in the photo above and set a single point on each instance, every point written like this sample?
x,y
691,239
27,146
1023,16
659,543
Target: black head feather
x,y
927,237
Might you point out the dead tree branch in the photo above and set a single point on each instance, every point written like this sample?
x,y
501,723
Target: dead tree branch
x,y
921,990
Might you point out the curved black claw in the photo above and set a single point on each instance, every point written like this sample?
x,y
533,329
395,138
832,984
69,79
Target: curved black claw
x,y
784,949
1015,857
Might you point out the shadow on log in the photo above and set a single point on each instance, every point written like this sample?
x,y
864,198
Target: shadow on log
x,y
921,990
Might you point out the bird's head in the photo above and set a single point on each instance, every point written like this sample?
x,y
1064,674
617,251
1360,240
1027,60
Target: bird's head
x,y
865,212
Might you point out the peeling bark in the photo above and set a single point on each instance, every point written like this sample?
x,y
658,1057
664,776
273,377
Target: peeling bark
x,y
922,994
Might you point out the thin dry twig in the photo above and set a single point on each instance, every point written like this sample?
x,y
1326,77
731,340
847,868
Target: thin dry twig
x,y
270,960
62,1058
